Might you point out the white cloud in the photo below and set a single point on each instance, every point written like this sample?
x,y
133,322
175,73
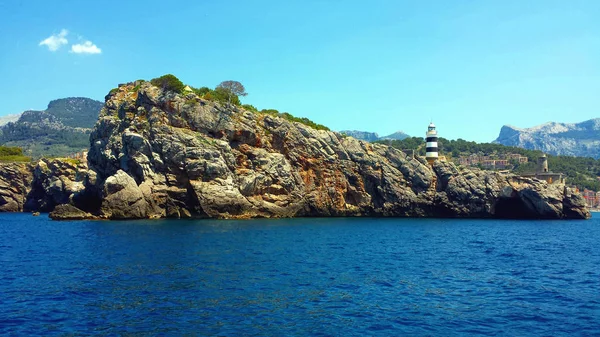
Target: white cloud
x,y
55,41
85,48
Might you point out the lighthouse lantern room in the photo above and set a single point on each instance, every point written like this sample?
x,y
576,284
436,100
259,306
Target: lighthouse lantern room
x,y
431,147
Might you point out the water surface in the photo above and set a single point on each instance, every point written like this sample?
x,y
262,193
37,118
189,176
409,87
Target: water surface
x,y
327,277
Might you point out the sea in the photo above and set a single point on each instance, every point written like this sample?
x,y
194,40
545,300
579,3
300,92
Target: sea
x,y
299,277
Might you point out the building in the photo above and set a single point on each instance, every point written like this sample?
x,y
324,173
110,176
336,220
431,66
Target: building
x,y
591,198
543,173
431,138
488,163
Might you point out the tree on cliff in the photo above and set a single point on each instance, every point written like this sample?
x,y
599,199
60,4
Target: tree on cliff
x,y
232,88
169,82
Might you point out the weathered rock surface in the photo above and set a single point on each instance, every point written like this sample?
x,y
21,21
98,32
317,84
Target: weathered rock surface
x,y
15,180
159,154
26,187
54,182
70,212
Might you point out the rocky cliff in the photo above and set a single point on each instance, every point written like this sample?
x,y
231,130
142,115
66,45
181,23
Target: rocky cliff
x,y
15,184
570,139
29,187
155,153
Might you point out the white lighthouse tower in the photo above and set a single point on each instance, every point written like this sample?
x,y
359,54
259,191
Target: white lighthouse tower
x,y
432,147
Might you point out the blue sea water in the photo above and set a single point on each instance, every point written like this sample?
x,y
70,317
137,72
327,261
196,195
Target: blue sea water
x,y
319,277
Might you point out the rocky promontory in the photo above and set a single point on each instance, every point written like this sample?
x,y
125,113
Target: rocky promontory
x,y
155,153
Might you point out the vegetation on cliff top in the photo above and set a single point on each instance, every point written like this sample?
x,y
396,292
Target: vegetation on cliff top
x,y
169,82
291,118
227,92
12,154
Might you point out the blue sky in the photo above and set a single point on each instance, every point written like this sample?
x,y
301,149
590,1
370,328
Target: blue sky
x,y
382,66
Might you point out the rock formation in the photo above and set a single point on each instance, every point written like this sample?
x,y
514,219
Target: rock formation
x,y
15,180
155,153
39,187
54,182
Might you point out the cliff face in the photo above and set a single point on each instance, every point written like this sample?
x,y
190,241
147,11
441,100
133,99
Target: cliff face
x,y
159,154
15,180
54,182
26,187
578,139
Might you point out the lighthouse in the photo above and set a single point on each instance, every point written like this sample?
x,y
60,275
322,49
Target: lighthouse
x,y
431,148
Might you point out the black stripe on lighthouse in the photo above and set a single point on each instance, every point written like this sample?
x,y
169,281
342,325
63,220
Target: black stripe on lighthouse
x,y
431,149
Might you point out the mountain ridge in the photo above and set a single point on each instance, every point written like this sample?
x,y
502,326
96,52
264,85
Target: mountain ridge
x,y
374,136
571,139
61,129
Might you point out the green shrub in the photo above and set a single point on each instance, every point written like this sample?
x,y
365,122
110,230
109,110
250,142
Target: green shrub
x,y
191,101
272,112
10,151
221,95
169,82
291,118
249,107
201,91
13,159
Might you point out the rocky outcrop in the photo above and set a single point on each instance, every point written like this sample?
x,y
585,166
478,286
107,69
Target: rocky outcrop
x,y
15,180
155,153
55,182
39,187
70,212
570,139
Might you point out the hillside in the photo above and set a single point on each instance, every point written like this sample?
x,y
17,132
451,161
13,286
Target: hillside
x,y
569,139
62,129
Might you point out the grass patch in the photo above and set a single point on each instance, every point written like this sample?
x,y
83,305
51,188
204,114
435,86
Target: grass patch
x,y
203,140
71,161
289,117
15,159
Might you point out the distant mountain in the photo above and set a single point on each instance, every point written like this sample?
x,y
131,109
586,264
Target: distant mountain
x,y
362,135
9,118
570,139
63,128
373,136
398,135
